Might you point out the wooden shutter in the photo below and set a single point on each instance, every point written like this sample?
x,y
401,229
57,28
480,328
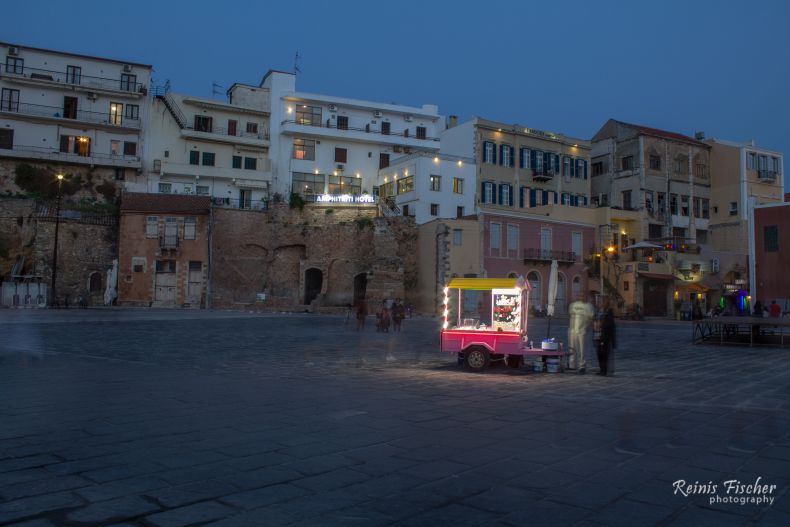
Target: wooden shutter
x,y
232,126
64,143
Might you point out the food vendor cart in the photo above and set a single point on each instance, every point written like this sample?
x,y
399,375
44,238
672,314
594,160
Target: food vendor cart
x,y
485,320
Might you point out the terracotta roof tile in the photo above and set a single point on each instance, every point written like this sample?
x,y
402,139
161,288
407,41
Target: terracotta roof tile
x,y
668,135
178,203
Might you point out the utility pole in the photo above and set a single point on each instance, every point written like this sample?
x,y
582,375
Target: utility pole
x,y
53,295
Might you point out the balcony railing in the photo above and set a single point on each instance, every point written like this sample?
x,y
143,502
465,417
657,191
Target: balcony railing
x,y
548,255
57,155
542,174
216,130
767,175
73,79
367,129
168,241
40,110
248,204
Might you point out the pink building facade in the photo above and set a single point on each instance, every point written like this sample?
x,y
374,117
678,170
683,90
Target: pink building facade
x,y
515,245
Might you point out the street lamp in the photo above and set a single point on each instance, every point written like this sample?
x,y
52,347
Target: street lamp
x,y
53,300
609,250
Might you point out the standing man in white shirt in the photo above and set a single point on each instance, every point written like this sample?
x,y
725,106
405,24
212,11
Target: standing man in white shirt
x,y
581,313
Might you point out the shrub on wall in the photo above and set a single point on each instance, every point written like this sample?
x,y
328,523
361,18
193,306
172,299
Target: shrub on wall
x,y
296,201
44,183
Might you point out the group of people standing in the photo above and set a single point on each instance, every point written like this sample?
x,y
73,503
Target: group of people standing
x,y
386,316
604,336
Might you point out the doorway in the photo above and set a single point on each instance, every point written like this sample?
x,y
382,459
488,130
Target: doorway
x,y
360,287
245,198
655,298
70,107
313,279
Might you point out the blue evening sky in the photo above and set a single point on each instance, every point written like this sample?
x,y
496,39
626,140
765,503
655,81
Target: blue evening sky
x,y
722,67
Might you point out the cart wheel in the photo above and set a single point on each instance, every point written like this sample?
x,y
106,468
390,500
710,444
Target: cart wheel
x,y
477,359
515,361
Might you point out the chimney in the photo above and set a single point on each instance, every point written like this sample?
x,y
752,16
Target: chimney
x,y
699,136
453,121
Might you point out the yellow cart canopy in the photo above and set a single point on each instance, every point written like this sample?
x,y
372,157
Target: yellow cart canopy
x,y
484,284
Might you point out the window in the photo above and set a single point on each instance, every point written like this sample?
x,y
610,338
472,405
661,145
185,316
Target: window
x,y
625,285
434,209
524,158
545,243
304,149
457,236
342,122
250,163
208,159
771,238
489,152
10,100
627,162
702,236
70,107
705,209
405,210
496,236
152,224
74,144
597,168
566,167
662,202
203,123
505,196
384,160
202,190
777,165
512,238
344,185
194,157
187,188
627,199
684,205
308,183
252,128
236,163
751,161
421,132
14,65
165,266
385,128
165,188
436,183
701,170
649,200
132,112
341,155
232,127
459,212
116,113
405,185
655,162
138,264
673,204
763,161
190,228
129,148
696,207
733,208
505,155
488,192
576,244
128,82
680,166
308,115
115,148
458,185
538,161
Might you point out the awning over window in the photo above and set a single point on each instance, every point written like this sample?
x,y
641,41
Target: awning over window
x,y
657,276
696,287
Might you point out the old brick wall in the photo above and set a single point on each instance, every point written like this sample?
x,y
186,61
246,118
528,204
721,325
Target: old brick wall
x,y
271,251
83,249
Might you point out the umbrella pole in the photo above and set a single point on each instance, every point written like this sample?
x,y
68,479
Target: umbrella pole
x,y
548,331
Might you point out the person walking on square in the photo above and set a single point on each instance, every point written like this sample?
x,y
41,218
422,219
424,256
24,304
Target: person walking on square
x,y
398,314
581,313
362,313
607,343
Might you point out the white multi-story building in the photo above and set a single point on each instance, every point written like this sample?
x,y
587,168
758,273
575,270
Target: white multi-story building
x,y
210,147
429,186
323,144
66,108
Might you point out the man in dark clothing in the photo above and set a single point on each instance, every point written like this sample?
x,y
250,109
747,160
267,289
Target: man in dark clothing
x,y
608,341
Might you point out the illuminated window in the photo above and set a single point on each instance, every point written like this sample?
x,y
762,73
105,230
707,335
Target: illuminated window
x,y
307,183
405,185
436,183
304,149
308,115
458,185
116,113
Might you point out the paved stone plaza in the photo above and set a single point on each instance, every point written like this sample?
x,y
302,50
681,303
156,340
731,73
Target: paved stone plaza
x,y
175,418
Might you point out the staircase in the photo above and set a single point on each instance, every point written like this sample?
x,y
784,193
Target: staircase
x,y
164,95
388,208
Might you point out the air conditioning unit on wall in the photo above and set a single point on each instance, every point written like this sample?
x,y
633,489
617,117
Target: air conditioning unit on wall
x,y
332,108
377,113
127,68
13,50
408,118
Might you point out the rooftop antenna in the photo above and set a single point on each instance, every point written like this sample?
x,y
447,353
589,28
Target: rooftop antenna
x,y
216,89
296,63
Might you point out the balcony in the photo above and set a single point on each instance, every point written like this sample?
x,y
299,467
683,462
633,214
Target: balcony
x,y
55,155
168,241
243,204
224,135
368,134
542,174
56,113
262,174
767,175
72,81
545,255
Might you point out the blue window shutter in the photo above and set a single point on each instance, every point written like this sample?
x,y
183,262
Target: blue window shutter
x,y
483,192
533,197
510,196
512,156
584,165
546,161
557,163
493,193
493,153
521,158
501,153
532,156
521,198
556,198
571,163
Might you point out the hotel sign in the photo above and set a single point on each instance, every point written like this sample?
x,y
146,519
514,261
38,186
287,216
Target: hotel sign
x,y
344,198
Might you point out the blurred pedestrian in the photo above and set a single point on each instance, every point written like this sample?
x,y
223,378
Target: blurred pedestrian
x,y
775,310
608,341
398,314
362,313
581,313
